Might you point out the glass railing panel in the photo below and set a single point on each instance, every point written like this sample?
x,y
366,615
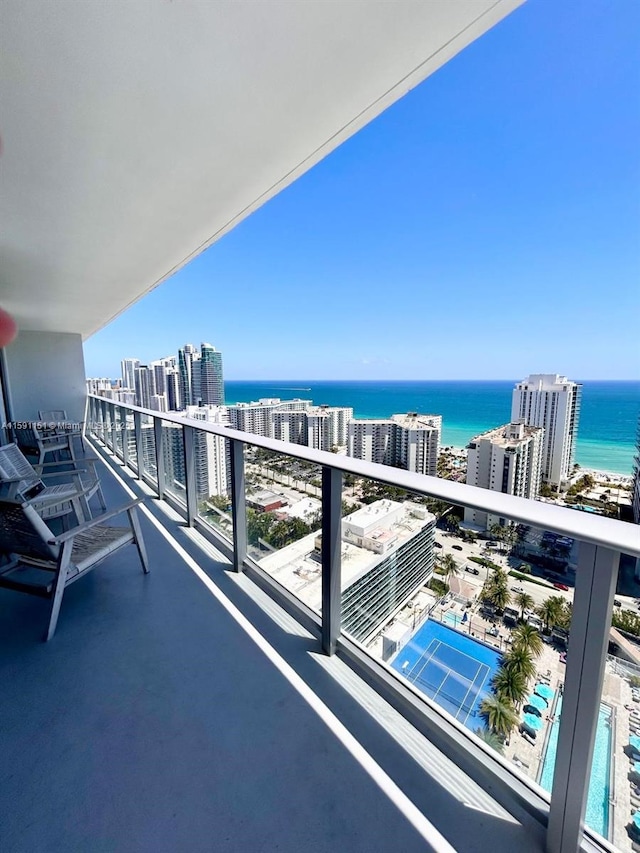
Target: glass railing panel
x,y
213,482
453,602
284,521
149,467
107,420
95,426
388,557
129,440
174,462
613,802
119,426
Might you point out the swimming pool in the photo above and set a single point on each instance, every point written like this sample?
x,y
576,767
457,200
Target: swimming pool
x,y
452,619
597,815
451,668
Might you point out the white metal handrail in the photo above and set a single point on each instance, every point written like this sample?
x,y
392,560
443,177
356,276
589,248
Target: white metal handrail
x,y
597,530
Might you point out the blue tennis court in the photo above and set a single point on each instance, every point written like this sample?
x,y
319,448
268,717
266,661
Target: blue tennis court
x,y
451,668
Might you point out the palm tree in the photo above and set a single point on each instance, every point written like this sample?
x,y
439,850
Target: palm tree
x,y
499,576
551,610
520,660
526,637
524,602
500,715
499,595
448,566
491,739
510,685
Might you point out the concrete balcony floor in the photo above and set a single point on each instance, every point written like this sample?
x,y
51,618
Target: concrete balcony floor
x,y
158,720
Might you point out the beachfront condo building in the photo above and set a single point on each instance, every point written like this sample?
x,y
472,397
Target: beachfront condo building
x,y
553,402
320,427
211,380
327,427
508,460
410,441
257,416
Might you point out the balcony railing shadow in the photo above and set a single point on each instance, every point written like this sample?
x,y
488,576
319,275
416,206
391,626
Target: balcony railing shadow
x,y
186,710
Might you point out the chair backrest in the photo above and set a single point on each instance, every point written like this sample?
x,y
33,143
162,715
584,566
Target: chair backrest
x,y
24,533
14,464
27,437
55,416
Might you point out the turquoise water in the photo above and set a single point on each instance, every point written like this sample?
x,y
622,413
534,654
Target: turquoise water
x,y
452,669
597,816
451,619
608,420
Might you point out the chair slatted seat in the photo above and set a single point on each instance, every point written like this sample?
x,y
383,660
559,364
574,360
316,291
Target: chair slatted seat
x,y
39,563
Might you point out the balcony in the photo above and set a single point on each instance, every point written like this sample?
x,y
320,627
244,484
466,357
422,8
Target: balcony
x,y
212,699
186,710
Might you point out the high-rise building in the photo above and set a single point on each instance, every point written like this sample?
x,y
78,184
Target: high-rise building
x,y
320,427
212,463
290,426
257,416
387,556
553,402
174,399
145,386
327,427
410,441
128,367
158,402
186,357
98,386
507,459
159,376
211,380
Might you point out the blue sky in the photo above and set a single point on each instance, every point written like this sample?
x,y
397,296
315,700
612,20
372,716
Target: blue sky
x,y
484,227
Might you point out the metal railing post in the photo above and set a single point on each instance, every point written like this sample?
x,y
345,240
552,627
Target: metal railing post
x,y
331,542
238,505
137,432
596,577
159,442
189,434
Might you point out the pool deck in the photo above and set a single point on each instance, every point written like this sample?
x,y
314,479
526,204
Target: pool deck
x,y
527,756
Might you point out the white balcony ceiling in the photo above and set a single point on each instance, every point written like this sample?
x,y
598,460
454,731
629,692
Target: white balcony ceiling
x,y
137,133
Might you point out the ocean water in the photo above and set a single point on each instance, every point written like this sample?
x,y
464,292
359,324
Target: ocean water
x,y
608,419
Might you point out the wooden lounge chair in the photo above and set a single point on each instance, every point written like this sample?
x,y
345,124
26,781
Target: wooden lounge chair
x,y
33,443
39,563
18,478
58,424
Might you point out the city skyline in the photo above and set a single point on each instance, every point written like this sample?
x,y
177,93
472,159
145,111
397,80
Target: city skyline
x,y
495,206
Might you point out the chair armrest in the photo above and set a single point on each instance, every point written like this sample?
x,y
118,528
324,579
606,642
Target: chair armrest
x,y
66,462
47,440
99,519
64,473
